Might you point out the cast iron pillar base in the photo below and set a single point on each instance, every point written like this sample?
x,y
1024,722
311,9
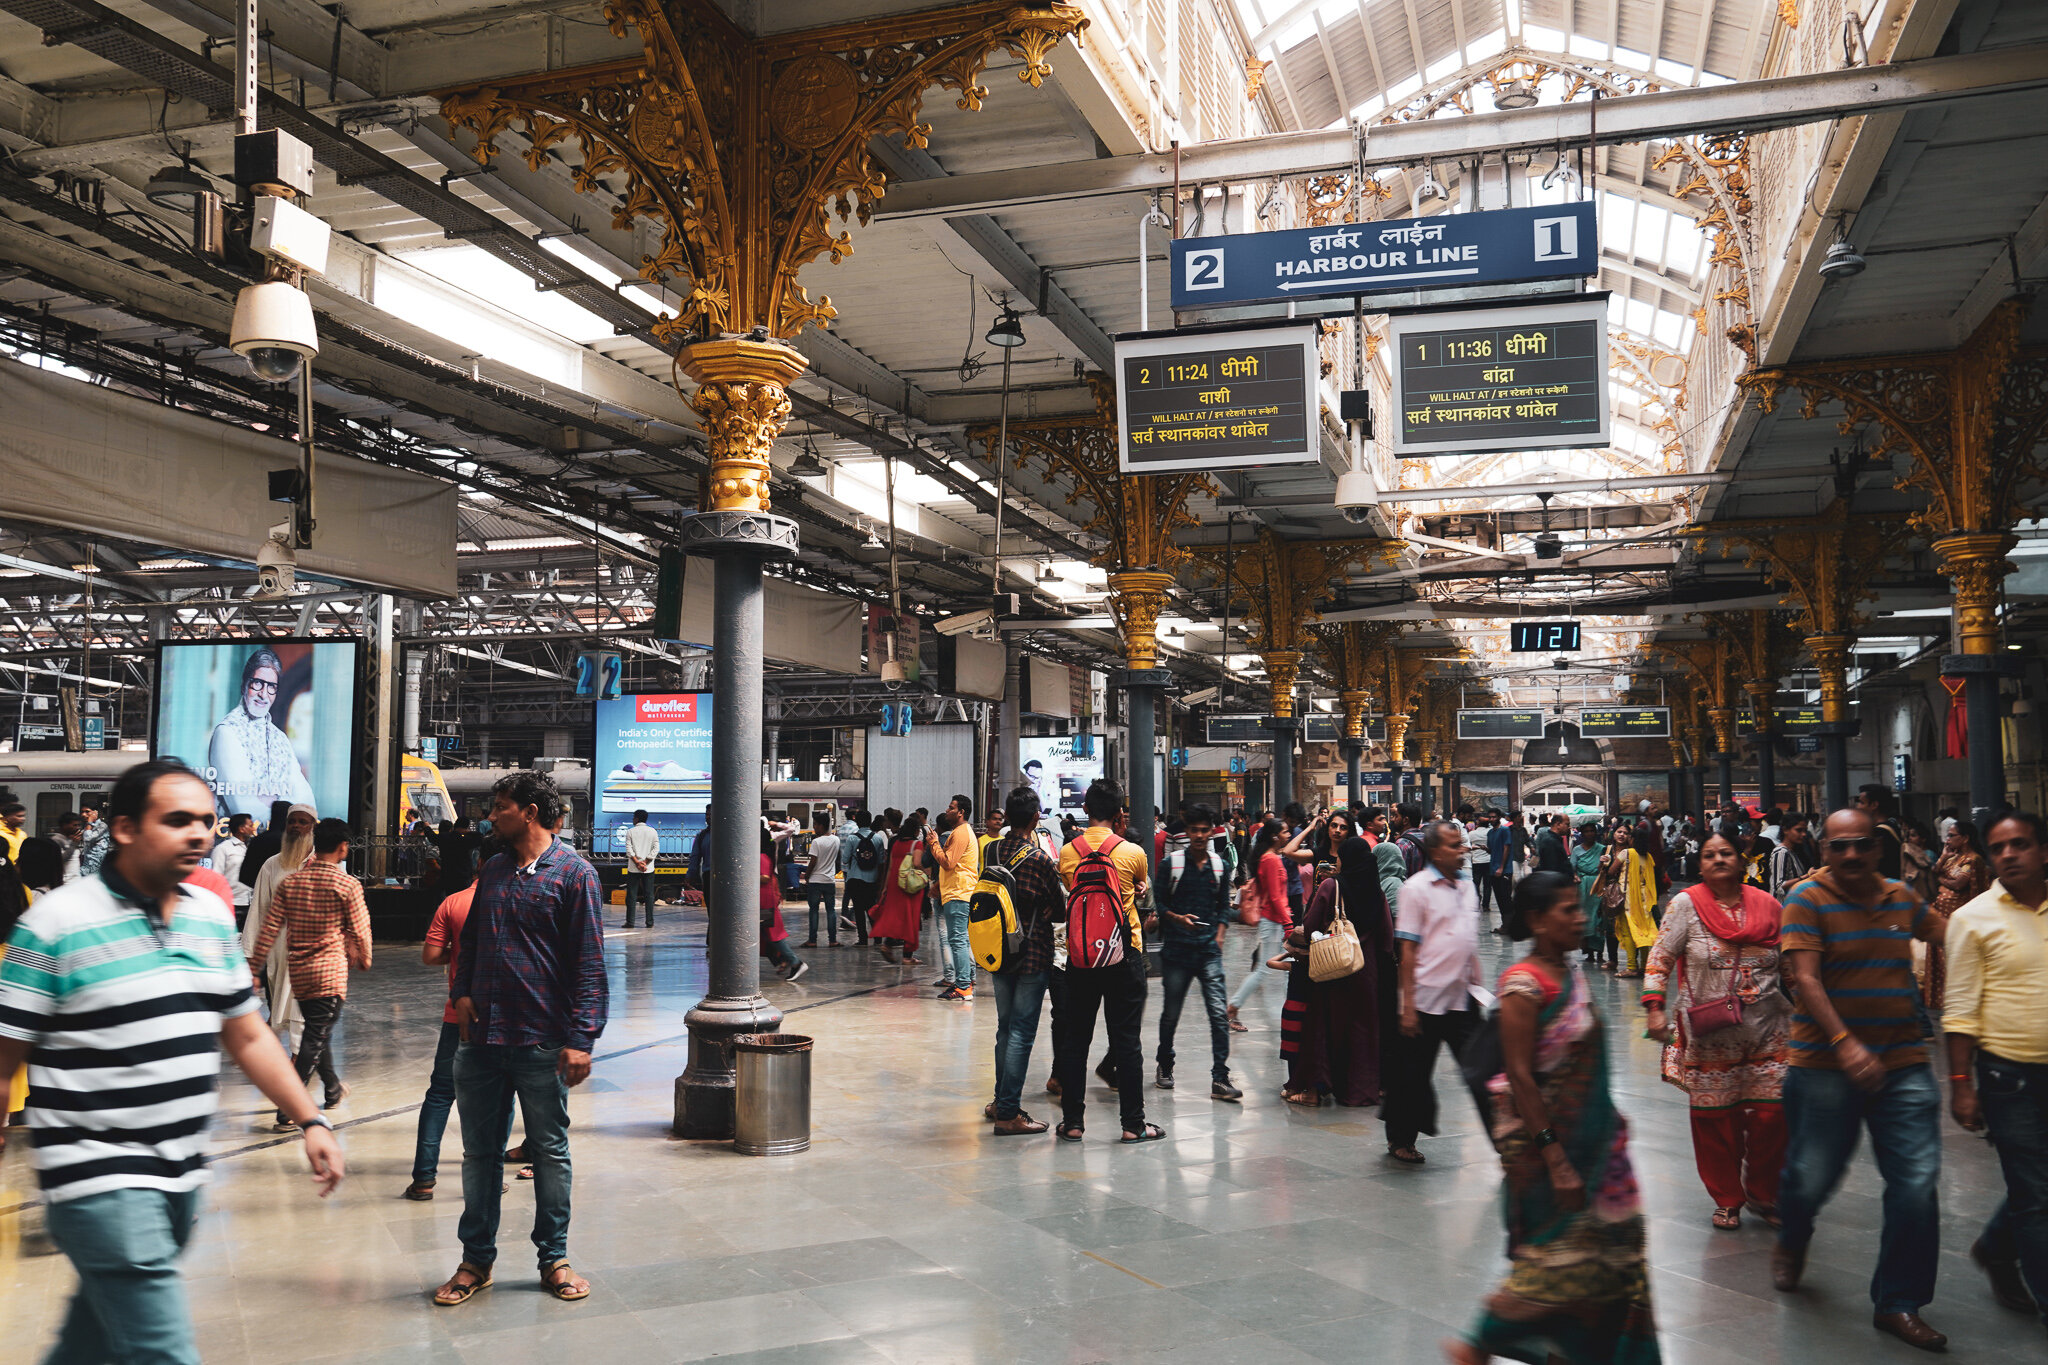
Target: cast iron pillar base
x,y
1834,742
1352,751
738,544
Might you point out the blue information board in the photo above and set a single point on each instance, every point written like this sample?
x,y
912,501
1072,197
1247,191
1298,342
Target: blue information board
x,y
1447,250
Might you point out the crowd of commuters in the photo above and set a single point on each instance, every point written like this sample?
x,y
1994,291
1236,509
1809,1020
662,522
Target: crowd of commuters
x,y
1795,972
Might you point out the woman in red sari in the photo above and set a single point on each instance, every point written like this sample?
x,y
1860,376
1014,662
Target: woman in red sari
x,y
775,938
897,913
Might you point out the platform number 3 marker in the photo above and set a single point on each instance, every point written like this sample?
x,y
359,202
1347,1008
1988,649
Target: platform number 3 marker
x,y
1204,270
1557,239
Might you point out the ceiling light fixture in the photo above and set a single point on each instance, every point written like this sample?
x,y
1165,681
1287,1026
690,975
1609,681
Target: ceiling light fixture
x,y
807,464
1045,573
1518,93
177,187
1843,261
1007,330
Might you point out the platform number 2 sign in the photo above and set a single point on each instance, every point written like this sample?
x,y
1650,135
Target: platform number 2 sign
x,y
1204,270
1557,239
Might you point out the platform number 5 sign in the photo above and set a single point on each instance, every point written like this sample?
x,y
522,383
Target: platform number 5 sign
x,y
1557,239
1204,270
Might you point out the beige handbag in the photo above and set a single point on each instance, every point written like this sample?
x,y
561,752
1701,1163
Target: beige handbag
x,y
1337,953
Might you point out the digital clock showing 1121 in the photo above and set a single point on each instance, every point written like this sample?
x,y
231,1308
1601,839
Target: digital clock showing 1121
x,y
1543,637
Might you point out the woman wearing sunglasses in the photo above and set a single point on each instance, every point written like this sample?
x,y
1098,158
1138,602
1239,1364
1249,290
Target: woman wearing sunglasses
x,y
1724,1033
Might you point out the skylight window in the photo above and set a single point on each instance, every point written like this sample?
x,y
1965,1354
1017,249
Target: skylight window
x,y
1443,66
483,276
1486,44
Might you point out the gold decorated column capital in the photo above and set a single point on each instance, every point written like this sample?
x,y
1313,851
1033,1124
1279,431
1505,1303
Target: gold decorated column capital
x,y
1136,598
1975,565
1831,661
743,398
1355,705
1283,669
1723,718
1397,736
1760,697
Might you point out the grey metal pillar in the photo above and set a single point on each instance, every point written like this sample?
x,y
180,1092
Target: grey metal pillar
x,y
1766,770
1674,792
1143,687
1394,776
1980,674
1835,785
1727,765
1283,729
1699,790
737,542
1353,750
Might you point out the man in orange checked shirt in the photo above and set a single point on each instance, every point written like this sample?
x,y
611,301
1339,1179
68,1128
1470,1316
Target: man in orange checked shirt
x,y
323,908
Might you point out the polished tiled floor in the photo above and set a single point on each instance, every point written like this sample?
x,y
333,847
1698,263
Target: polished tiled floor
x,y
908,1233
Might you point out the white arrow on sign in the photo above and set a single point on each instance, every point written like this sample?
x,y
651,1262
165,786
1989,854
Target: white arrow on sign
x,y
1380,279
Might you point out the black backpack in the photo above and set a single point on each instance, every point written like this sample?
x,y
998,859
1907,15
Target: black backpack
x,y
864,856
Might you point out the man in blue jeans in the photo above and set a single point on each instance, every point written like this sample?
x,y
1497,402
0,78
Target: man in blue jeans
x,y
958,854
1996,1022
1020,991
1194,914
121,990
1858,1057
530,1000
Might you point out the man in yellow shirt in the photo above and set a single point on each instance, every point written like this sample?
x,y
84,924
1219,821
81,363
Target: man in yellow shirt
x,y
959,858
13,829
1119,989
1996,1015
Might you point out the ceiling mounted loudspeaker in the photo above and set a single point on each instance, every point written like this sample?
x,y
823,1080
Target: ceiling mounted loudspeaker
x,y
1431,188
1842,262
1514,94
892,673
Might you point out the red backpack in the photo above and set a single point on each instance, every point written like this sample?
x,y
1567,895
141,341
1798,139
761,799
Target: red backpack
x,y
1095,910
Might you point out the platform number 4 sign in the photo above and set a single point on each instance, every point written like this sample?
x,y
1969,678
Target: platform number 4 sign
x,y
1204,270
1557,239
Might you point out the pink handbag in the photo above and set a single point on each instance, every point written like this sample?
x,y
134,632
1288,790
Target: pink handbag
x,y
1711,1016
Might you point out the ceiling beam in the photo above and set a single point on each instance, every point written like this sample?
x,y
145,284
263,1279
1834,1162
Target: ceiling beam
x,y
1739,106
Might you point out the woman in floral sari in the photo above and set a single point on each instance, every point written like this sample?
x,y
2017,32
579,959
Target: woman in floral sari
x,y
1578,1287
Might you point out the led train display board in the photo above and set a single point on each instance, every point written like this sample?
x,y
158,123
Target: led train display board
x,y
1316,728
1543,637
1625,722
1522,378
1500,724
1217,400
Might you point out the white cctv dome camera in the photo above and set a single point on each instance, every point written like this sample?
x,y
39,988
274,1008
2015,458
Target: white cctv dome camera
x,y
276,564
1356,496
273,330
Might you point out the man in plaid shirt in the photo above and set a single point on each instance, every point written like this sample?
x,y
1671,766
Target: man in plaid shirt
x,y
328,925
530,1000
1020,992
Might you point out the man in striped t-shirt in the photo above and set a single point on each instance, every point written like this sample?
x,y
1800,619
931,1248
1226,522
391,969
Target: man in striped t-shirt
x,y
120,990
1859,1060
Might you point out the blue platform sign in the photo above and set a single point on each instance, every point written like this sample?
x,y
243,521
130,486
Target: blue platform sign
x,y
1447,250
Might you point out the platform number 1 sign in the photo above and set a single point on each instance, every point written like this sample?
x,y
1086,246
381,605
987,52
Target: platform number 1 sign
x,y
1557,239
1204,270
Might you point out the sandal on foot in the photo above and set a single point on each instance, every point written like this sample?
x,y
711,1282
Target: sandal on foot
x,y
1407,1156
1068,1132
1728,1219
420,1191
455,1292
570,1287
1307,1099
525,1173
1767,1212
1151,1132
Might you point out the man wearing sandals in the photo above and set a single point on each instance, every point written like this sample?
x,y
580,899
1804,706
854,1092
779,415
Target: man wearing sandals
x,y
530,1001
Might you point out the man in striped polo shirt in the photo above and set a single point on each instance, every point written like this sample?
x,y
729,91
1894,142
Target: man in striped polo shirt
x,y
1859,1060
120,990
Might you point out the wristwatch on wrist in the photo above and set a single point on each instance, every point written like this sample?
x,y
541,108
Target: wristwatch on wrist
x,y
316,1121
1544,1137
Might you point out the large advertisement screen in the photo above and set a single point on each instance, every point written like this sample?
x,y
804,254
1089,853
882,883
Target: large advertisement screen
x,y
1060,778
653,754
262,721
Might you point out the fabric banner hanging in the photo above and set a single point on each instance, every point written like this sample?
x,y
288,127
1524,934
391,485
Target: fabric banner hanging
x,y
1957,731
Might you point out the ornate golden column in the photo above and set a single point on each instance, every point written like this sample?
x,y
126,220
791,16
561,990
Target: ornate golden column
x,y
742,149
1136,597
1972,420
1283,674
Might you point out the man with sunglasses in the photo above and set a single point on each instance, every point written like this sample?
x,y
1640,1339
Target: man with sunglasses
x,y
1859,1059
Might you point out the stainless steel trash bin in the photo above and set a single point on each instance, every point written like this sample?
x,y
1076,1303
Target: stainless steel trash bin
x,y
772,1094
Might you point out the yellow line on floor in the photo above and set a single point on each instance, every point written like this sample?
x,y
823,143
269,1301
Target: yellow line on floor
x,y
1126,1269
